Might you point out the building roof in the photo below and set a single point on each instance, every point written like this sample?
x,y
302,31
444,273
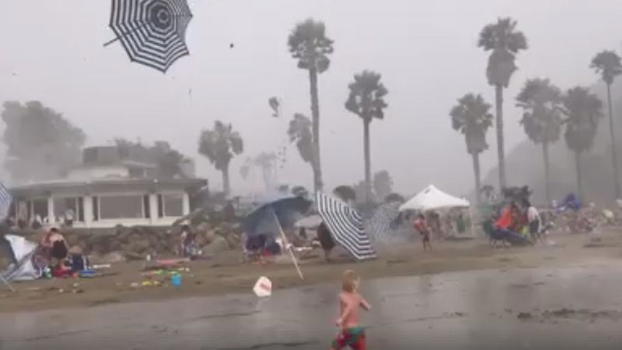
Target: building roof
x,y
44,188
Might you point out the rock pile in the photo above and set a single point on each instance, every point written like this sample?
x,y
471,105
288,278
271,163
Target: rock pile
x,y
135,243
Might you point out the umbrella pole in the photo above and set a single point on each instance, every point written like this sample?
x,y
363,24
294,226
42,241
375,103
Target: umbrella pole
x,y
286,244
124,34
3,280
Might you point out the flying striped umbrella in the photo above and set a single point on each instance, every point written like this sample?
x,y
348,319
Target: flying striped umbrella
x,y
151,31
5,202
346,226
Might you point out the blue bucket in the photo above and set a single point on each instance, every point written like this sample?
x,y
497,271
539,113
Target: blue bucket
x,y
176,280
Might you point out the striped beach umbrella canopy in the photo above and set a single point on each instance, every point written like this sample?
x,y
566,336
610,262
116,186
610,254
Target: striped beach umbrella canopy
x,y
346,226
151,31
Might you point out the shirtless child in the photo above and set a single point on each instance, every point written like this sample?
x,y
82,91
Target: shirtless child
x,y
351,333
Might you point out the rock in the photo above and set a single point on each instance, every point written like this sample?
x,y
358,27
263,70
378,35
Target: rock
x,y
218,245
130,255
113,257
524,316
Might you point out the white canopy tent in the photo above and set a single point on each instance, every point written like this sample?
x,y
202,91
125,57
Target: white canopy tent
x,y
431,198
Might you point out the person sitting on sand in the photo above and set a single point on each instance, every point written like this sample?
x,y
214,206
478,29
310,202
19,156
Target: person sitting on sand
x,y
350,332
77,260
188,245
55,246
421,226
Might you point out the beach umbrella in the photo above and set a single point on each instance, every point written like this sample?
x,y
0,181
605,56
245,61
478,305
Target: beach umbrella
x,y
346,226
151,31
271,217
310,222
275,217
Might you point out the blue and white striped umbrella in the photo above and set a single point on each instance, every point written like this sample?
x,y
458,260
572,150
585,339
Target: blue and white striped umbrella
x,y
153,32
5,202
346,226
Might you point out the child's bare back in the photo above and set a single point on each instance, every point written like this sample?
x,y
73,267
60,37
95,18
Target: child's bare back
x,y
350,303
351,333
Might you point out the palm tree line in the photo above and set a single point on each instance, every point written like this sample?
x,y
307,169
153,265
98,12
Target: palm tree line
x,y
547,111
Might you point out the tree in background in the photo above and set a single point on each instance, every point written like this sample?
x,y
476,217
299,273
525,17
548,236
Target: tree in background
x,y
361,190
168,161
383,184
41,144
583,109
472,118
542,121
220,145
267,162
394,197
300,191
299,131
607,64
345,193
309,44
366,100
505,42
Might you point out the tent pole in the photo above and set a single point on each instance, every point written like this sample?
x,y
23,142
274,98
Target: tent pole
x,y
286,244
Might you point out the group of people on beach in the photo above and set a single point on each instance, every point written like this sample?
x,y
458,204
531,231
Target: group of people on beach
x,y
519,218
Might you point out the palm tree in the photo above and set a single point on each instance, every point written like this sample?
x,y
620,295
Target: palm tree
x,y
583,110
299,131
607,64
366,100
504,41
309,44
383,184
220,145
542,121
472,118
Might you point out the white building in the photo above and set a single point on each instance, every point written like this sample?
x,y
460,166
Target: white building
x,y
106,191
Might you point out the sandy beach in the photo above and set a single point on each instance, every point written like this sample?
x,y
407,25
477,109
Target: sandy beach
x,y
226,274
546,307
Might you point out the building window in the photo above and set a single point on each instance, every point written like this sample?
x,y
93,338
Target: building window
x,y
146,206
68,208
39,208
171,204
95,208
137,172
121,207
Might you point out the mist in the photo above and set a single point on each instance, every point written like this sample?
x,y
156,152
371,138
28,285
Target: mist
x,y
426,53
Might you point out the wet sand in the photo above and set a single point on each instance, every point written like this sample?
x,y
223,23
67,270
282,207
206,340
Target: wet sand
x,y
535,308
227,275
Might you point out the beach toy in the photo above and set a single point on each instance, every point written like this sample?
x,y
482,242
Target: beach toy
x,y
176,280
263,287
87,273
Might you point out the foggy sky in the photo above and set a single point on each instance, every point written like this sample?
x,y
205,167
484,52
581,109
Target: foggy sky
x,y
425,50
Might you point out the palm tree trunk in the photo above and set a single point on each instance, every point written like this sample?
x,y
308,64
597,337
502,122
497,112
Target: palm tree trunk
x,y
614,157
315,114
366,122
547,175
500,141
225,180
476,171
577,159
